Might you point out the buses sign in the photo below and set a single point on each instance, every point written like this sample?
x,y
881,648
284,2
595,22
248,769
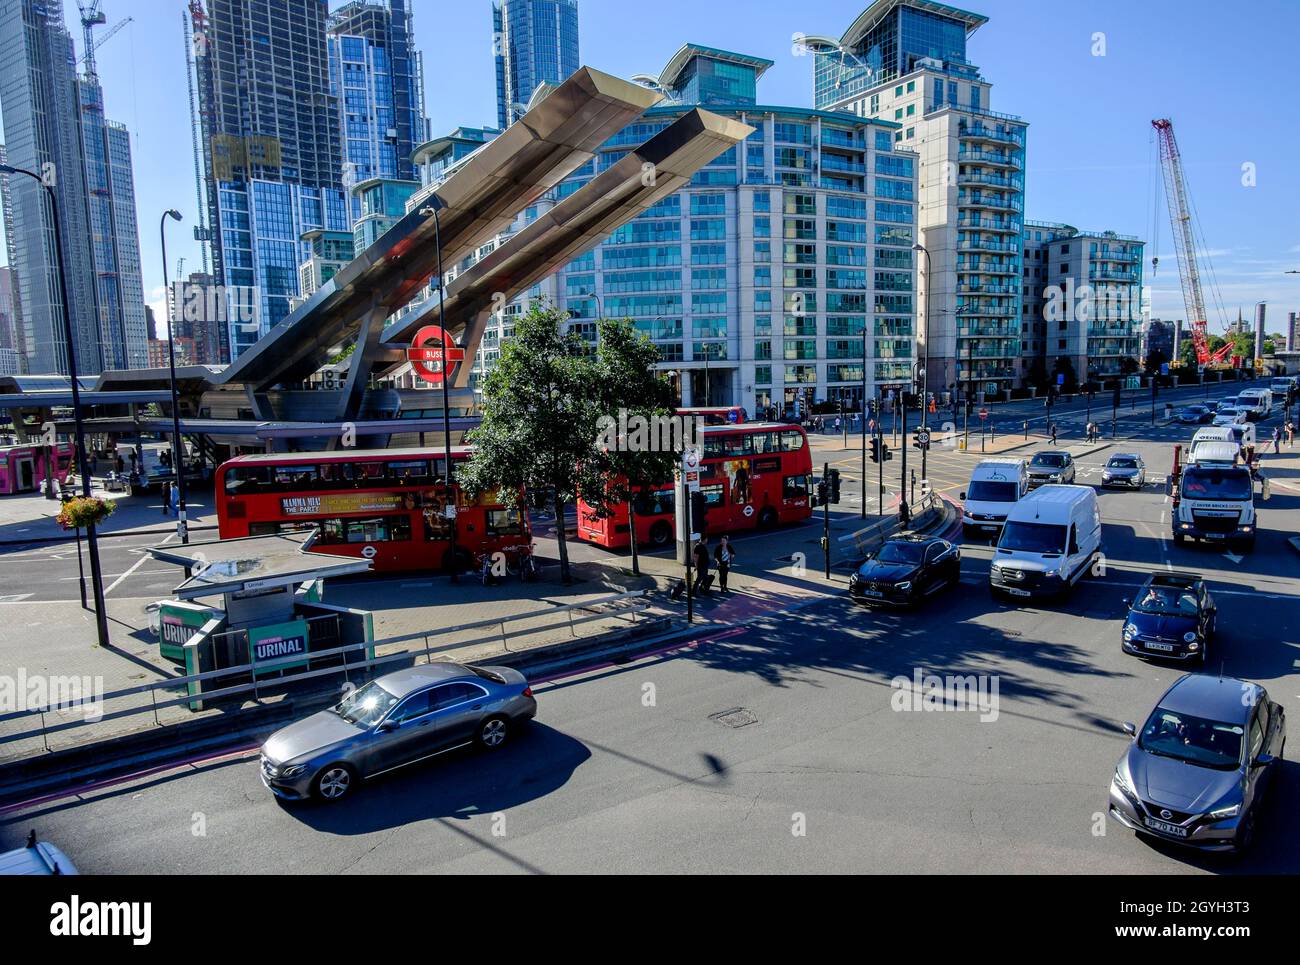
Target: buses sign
x,y
433,347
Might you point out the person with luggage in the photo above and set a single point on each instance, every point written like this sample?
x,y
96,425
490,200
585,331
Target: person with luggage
x,y
702,577
723,556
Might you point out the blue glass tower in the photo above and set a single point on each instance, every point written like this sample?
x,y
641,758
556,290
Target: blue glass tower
x,y
536,42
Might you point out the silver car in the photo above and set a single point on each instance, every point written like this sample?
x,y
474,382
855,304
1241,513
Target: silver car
x,y
395,720
1196,773
1124,469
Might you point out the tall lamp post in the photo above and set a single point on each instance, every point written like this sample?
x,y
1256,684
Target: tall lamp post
x,y
432,209
178,449
83,467
925,370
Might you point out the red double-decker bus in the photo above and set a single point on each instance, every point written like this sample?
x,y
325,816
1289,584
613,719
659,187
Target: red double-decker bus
x,y
752,475
722,415
387,505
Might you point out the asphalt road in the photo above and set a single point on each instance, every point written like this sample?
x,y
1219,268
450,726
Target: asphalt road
x,y
608,780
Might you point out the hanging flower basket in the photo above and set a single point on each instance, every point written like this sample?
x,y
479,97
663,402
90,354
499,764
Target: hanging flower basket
x,y
82,512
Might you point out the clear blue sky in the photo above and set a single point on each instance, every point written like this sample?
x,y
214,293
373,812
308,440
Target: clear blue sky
x,y
1225,74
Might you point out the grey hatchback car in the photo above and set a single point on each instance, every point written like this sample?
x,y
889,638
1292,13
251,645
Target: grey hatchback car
x,y
1197,771
395,720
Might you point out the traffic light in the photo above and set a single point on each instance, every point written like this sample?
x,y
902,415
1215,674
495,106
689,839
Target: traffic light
x,y
885,454
699,512
921,439
835,486
822,493
875,449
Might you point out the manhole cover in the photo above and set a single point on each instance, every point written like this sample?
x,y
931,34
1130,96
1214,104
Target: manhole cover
x,y
735,717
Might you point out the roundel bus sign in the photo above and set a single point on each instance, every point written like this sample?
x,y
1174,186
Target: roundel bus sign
x,y
431,351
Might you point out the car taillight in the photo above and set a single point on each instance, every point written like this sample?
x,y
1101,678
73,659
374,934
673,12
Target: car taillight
x,y
528,691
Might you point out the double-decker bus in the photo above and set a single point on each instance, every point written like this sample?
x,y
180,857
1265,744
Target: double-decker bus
x,y
722,415
752,475
387,505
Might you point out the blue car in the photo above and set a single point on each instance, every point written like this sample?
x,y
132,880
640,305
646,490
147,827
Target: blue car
x,y
1172,617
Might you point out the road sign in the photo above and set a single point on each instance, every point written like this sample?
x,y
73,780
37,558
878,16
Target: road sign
x,y
984,413
923,437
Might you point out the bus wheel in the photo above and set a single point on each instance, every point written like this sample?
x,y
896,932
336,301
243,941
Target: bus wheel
x,y
660,534
767,518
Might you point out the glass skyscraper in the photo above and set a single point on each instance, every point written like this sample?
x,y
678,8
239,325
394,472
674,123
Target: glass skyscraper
x,y
55,126
536,42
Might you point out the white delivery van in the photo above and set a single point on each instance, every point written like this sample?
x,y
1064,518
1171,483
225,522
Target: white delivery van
x,y
1258,403
995,486
1280,385
1242,435
1049,541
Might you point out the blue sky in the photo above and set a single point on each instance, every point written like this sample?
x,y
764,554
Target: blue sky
x,y
1223,73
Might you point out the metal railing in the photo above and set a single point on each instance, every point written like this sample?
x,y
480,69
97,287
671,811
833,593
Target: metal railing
x,y
630,603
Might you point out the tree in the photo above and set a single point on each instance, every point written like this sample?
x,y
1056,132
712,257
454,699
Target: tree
x,y
541,407
1155,358
633,394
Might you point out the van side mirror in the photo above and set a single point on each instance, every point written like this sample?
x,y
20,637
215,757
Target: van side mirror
x,y
962,495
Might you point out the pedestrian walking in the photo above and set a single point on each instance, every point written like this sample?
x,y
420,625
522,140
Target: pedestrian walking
x,y
723,557
904,515
1290,434
1051,427
1277,440
702,578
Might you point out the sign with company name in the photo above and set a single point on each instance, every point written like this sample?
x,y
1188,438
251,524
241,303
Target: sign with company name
x,y
277,642
431,351
178,621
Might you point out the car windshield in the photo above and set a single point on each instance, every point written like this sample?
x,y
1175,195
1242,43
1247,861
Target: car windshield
x,y
365,705
1166,600
1205,483
900,553
1196,740
1033,537
1120,463
982,490
1048,460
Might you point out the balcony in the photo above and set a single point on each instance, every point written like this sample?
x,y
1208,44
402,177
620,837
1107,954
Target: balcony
x,y
979,132
1131,258
979,244
1012,183
834,164
972,156
988,267
1007,225
994,202
1112,274
985,289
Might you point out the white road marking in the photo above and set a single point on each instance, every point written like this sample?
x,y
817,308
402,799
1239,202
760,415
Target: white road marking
x,y
134,566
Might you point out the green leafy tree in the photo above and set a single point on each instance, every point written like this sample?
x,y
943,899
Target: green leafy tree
x,y
541,407
631,390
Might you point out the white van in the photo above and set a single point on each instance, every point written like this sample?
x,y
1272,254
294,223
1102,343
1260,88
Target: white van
x,y
1258,403
995,486
37,858
1281,385
1242,435
1048,543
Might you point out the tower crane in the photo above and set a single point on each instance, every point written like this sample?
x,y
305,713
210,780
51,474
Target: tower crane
x,y
91,17
1178,201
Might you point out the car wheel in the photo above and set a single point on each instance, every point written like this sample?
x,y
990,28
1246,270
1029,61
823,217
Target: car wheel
x,y
492,733
660,534
767,518
334,782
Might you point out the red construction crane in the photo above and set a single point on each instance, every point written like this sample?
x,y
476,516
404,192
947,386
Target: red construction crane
x,y
1180,218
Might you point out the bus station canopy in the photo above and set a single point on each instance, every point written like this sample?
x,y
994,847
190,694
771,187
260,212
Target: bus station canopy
x,y
253,563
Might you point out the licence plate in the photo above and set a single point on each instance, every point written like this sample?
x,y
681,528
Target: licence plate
x,y
873,593
1215,535
988,526
1164,827
1163,647
1014,592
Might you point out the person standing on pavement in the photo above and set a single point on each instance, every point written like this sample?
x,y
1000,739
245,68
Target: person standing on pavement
x,y
167,499
1290,434
723,556
701,566
1277,440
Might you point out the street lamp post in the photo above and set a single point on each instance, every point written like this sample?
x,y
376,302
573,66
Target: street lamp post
x,y
434,204
92,538
925,370
864,418
178,450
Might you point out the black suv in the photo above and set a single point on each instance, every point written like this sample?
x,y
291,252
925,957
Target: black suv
x,y
1053,466
905,570
1172,616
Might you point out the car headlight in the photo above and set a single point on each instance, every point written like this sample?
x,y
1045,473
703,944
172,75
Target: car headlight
x,y
1054,477
1130,631
1189,636
1125,787
905,585
293,770
1229,812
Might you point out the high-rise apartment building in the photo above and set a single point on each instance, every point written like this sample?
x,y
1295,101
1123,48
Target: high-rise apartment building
x,y
273,153
1082,309
905,61
535,42
374,73
41,105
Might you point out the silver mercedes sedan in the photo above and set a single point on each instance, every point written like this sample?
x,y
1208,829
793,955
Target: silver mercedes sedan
x,y
398,719
1197,771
